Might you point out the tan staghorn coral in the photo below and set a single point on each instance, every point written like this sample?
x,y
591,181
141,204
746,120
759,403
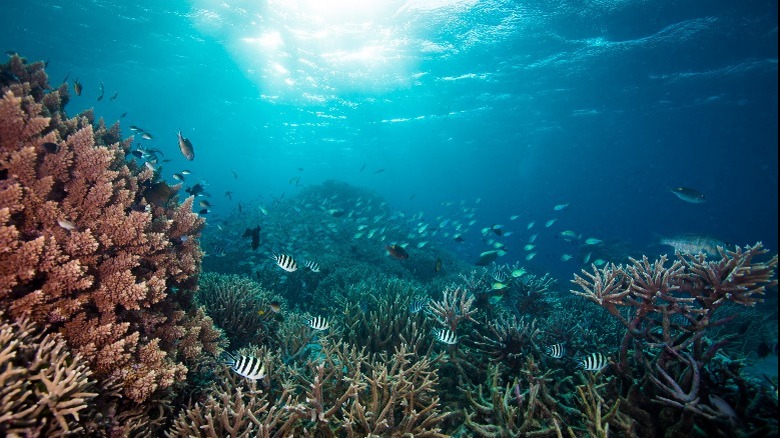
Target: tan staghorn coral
x,y
84,252
44,390
454,308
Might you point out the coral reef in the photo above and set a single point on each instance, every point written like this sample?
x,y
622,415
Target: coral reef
x,y
100,274
667,350
377,316
83,250
44,391
248,313
340,391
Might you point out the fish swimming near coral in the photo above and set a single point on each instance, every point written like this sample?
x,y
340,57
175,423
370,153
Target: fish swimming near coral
x,y
195,190
445,336
688,194
499,286
254,233
437,265
765,348
486,258
159,193
51,148
246,366
311,265
593,362
694,244
517,273
317,323
68,225
499,275
397,252
102,92
77,88
285,262
556,351
418,305
185,146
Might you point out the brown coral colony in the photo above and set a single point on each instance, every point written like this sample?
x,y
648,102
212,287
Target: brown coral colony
x,y
77,256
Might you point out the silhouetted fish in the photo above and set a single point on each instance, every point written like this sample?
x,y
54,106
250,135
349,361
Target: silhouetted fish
x,y
159,194
254,233
397,252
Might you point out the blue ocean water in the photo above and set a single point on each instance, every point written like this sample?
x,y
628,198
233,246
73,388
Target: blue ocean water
x,y
507,107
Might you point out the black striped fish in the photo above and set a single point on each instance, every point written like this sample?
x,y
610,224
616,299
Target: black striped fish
x,y
312,266
285,262
246,366
445,336
417,305
556,351
499,276
317,323
594,362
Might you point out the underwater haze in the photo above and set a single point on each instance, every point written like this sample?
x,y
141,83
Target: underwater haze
x,y
389,218
602,105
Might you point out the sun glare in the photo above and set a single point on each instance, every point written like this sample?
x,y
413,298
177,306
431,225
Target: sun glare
x,y
324,48
318,48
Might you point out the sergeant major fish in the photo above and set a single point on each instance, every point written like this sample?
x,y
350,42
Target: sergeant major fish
x,y
246,366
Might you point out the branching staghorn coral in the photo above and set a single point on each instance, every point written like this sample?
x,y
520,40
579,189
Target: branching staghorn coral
x,y
597,413
379,317
508,340
691,287
399,399
241,307
340,391
44,390
521,407
454,308
667,312
533,295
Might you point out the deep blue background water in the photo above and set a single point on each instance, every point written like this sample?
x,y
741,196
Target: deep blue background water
x,y
524,105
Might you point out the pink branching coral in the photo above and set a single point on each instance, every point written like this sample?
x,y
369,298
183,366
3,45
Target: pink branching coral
x,y
84,250
681,299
